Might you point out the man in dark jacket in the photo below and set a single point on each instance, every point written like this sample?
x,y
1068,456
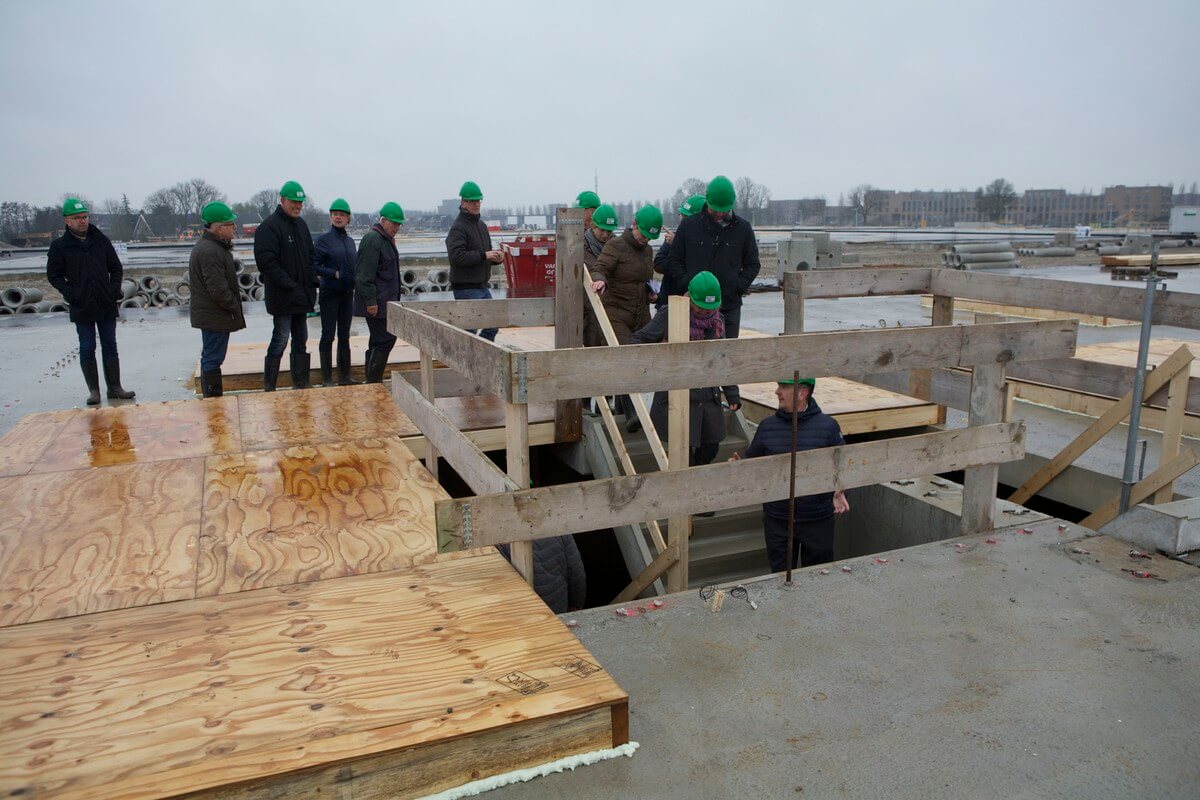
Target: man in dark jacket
x,y
283,250
718,241
215,306
558,574
689,208
333,258
377,283
469,246
813,529
83,266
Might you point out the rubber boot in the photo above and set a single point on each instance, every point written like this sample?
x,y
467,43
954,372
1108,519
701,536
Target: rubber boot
x,y
210,383
382,354
271,372
92,375
372,365
343,362
326,367
112,376
301,364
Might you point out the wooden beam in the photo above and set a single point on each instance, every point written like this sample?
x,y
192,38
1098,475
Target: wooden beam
x,y
1166,473
446,382
568,311
1095,377
488,440
1155,380
463,352
679,439
516,435
866,282
666,559
1091,405
1181,309
626,463
988,405
947,387
555,374
1172,434
793,302
476,469
430,394
941,314
513,312
576,507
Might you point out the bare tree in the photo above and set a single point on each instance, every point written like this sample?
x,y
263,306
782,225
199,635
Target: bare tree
x,y
995,201
264,201
689,187
865,199
752,198
203,193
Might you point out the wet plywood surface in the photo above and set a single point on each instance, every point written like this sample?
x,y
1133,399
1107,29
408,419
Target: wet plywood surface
x,y
340,413
243,366
29,438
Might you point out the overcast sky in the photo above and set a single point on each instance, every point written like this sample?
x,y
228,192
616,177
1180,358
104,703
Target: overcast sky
x,y
403,100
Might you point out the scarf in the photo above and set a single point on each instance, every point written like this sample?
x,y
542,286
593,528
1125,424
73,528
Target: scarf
x,y
702,325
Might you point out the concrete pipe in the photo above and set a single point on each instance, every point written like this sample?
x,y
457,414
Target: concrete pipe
x,y
6,311
257,278
421,287
1170,243
258,293
981,247
43,306
28,308
985,258
150,283
1109,250
409,278
246,280
159,299
19,296
173,301
1052,252
59,308
439,276
137,301
244,295
183,290
129,287
238,266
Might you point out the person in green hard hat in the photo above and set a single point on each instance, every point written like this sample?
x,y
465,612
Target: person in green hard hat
x,y
83,266
707,418
469,247
589,201
283,251
377,283
813,528
216,306
687,208
334,256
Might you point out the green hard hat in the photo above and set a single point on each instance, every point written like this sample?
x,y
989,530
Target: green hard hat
x,y
605,217
470,191
587,199
648,220
392,212
73,206
720,195
340,205
692,205
812,382
293,191
705,290
217,212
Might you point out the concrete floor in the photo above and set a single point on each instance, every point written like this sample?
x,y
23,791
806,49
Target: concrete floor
x,y
1004,670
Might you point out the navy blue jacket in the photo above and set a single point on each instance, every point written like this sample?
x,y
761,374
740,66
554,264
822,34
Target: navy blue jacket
x,y
814,430
729,252
334,257
558,574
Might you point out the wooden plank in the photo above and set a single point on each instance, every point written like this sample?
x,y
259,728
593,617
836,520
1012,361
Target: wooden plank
x,y
516,450
489,440
1173,432
650,367
627,468
679,526
988,405
476,469
979,307
271,420
463,352
1153,419
512,312
568,311
577,507
1166,474
866,282
1181,309
1164,260
653,571
947,387
1093,433
446,382
793,302
920,380
429,393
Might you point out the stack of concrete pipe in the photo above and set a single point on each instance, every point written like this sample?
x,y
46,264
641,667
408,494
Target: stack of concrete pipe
x,y
1046,252
980,255
27,300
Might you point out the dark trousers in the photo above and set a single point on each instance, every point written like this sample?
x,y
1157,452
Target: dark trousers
x,y
87,339
294,325
812,542
214,346
733,321
380,336
704,454
337,310
477,294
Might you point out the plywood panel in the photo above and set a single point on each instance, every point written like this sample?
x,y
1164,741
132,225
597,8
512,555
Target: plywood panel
x,y
144,433
309,512
22,446
157,701
243,367
93,540
337,414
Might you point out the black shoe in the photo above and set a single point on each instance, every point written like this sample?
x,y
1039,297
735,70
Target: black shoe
x,y
210,383
271,372
91,374
301,366
343,362
633,425
112,376
326,367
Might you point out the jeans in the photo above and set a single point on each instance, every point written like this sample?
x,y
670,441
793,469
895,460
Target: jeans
x,y
87,339
812,542
337,309
214,345
477,294
294,324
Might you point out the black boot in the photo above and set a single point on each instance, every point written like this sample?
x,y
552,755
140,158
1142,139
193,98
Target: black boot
x,y
210,383
372,364
343,362
301,364
326,367
271,372
92,375
632,423
112,376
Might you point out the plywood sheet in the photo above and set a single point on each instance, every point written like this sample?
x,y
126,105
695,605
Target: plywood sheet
x,y
144,433
337,414
1124,354
157,701
243,367
93,540
309,512
22,446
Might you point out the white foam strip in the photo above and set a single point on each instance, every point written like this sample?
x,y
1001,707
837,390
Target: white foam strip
x,y
529,773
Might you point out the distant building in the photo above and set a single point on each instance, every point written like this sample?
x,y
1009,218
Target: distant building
x,y
805,211
925,209
449,208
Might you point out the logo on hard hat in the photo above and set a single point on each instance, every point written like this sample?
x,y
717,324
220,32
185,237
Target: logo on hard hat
x,y
710,298
79,205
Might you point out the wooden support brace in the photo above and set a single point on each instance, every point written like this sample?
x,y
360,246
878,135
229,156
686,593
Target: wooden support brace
x,y
793,302
468,354
1177,396
427,389
988,405
942,314
1166,474
511,312
665,560
679,528
614,433
568,312
516,433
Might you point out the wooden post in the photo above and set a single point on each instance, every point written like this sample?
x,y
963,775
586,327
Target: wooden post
x,y
988,403
679,529
943,314
516,440
568,311
427,389
793,302
1177,391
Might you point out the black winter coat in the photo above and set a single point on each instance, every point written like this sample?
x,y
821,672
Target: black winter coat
x,y
334,257
87,273
283,250
814,430
215,304
730,253
377,274
558,574
467,245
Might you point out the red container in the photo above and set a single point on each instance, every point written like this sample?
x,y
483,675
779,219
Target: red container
x,y
529,266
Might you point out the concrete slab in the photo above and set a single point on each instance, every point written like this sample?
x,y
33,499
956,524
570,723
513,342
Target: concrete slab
x,y
1170,527
987,670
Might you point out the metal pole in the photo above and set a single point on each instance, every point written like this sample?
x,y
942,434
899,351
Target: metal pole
x,y
1139,381
792,485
